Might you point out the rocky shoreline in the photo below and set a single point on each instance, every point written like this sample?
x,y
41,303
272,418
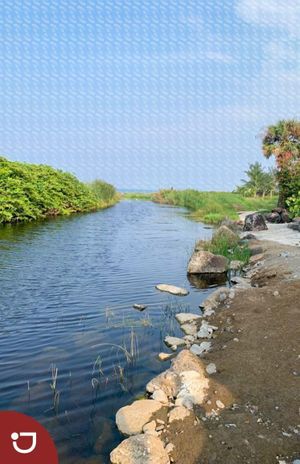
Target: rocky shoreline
x,y
191,413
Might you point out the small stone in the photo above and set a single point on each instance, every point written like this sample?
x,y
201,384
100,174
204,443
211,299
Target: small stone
x,y
169,448
131,419
200,349
172,289
220,405
159,428
164,356
149,427
160,396
178,413
139,307
211,368
183,318
174,341
276,293
235,339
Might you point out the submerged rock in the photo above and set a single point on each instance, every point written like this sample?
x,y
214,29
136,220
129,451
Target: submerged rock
x,y
139,307
131,419
140,449
204,262
172,289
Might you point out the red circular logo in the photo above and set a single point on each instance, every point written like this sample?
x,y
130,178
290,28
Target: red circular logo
x,y
24,441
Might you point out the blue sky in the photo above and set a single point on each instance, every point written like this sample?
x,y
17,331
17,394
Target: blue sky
x,y
145,93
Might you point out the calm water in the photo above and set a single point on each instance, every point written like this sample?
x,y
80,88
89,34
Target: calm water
x,y
67,287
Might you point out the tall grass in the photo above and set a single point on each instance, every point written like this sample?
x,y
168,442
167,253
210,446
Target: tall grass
x,y
213,207
105,193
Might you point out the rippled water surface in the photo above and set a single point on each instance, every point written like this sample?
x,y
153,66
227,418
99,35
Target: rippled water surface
x,y
67,287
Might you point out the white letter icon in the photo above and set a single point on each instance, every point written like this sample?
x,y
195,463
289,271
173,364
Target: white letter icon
x,y
15,436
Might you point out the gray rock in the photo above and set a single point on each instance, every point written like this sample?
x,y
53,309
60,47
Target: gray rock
x,y
211,368
206,330
139,307
255,221
189,329
200,349
204,262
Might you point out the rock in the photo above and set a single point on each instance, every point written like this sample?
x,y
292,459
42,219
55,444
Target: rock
x,y
172,289
194,388
168,382
295,225
139,307
217,297
274,218
204,262
140,449
150,428
200,349
206,330
249,237
178,413
165,356
182,318
186,361
276,293
160,396
169,448
211,368
174,341
226,233
256,258
189,329
131,419
220,405
241,282
255,222
189,338
236,265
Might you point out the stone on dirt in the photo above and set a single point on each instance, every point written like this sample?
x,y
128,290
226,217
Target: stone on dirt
x,y
178,413
200,349
140,449
160,396
211,368
206,330
255,221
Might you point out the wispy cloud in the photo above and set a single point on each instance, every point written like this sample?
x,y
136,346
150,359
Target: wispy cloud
x,y
280,15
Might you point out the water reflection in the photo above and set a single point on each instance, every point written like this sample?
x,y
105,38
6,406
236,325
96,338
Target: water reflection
x,y
203,281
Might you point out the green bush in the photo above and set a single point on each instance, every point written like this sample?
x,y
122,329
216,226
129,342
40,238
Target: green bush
x,y
103,191
294,205
29,192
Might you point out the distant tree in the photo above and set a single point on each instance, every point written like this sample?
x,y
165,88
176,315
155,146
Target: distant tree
x,y
282,141
259,182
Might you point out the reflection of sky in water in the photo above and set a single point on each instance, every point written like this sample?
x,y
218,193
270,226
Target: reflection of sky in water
x,y
67,290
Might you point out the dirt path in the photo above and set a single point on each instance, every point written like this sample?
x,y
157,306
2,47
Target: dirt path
x,y
257,355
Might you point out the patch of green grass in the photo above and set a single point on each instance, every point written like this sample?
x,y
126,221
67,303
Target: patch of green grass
x,y
225,247
214,207
137,196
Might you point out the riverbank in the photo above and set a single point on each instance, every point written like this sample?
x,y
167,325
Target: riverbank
x,y
243,390
214,207
30,192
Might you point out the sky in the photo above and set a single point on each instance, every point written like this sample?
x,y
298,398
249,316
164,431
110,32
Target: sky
x,y
147,94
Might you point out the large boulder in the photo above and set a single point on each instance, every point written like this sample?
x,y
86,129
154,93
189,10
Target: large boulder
x,y
131,419
204,262
255,221
295,225
140,449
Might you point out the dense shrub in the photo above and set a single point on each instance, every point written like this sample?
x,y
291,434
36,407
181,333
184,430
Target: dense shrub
x,y
29,191
103,191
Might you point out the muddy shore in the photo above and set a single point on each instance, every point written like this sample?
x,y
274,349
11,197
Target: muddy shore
x,y
257,358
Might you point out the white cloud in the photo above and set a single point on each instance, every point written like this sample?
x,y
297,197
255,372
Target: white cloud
x,y
279,14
